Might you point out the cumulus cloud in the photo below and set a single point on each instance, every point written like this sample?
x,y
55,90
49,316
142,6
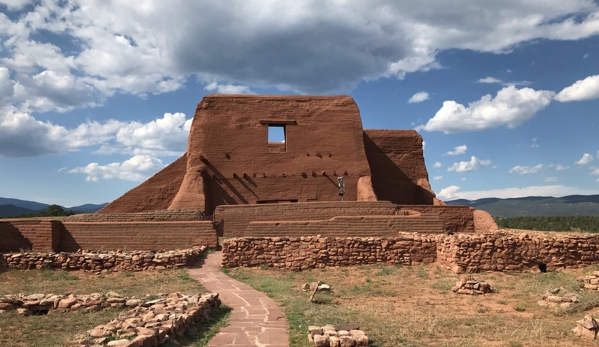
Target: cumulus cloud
x,y
595,172
21,135
523,170
418,97
437,165
437,178
473,165
489,80
510,107
137,168
228,89
452,192
586,158
458,150
310,47
585,89
560,167
534,143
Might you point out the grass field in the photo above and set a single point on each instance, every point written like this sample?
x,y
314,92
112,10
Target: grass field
x,y
56,329
414,306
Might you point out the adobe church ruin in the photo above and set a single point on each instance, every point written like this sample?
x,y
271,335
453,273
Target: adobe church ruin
x,y
229,160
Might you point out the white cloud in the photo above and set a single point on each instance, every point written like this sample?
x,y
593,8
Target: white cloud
x,y
534,143
473,165
137,168
560,167
458,150
418,97
585,89
586,55
489,80
437,165
550,179
586,158
452,192
595,172
510,108
522,170
228,89
437,178
463,179
22,135
308,47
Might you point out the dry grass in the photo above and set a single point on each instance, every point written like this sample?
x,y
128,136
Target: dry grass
x,y
56,328
414,306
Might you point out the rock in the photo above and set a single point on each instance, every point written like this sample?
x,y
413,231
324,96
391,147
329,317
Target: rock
x,y
66,303
347,327
585,333
133,302
23,311
346,341
113,300
113,295
35,297
121,343
321,340
6,306
334,341
589,323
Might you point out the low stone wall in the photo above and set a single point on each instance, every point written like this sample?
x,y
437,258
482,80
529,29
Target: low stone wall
x,y
153,323
512,251
300,253
102,261
146,216
499,251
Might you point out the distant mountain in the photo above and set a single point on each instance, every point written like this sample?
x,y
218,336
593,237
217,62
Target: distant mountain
x,y
12,210
572,205
14,207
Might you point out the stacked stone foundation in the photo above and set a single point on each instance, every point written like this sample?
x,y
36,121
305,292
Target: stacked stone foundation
x,y
498,251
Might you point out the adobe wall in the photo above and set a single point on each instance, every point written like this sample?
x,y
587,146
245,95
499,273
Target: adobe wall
x,y
42,235
300,253
456,219
136,235
232,221
231,162
32,234
396,160
352,226
145,216
156,193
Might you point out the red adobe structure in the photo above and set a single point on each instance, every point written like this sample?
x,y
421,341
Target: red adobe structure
x,y
254,187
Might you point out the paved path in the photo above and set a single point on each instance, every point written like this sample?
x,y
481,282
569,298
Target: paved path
x,y
256,320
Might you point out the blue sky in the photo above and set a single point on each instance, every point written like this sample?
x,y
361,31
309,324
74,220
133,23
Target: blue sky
x,y
96,96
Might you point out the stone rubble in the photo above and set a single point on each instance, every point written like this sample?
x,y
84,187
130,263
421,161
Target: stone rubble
x,y
586,328
591,282
38,304
152,324
558,297
98,261
337,336
471,286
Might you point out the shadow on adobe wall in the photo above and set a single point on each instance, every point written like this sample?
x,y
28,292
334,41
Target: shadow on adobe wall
x,y
389,182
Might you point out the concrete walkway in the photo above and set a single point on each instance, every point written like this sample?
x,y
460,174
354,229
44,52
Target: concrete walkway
x,y
256,320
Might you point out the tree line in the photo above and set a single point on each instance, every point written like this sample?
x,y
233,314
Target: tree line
x,y
51,211
551,223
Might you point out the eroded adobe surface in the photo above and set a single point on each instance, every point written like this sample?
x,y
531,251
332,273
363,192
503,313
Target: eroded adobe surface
x,y
229,160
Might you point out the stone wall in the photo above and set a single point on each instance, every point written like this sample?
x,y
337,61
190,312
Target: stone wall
x,y
511,251
456,219
99,261
145,216
499,251
308,252
232,221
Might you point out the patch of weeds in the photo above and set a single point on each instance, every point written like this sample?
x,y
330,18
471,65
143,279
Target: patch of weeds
x,y
322,298
291,276
385,270
482,309
520,308
502,302
515,344
443,285
421,273
368,280
264,266
184,276
225,270
60,275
